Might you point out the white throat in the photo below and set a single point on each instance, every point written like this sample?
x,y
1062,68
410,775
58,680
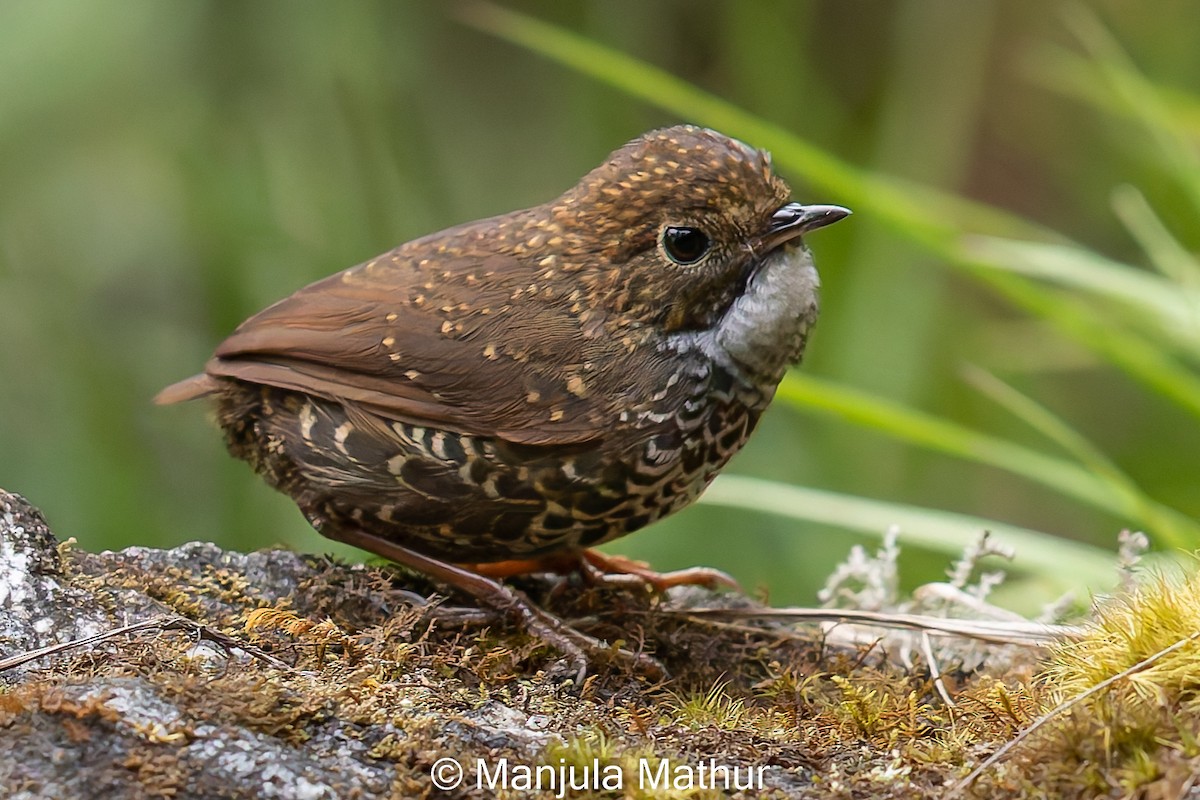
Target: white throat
x,y
765,329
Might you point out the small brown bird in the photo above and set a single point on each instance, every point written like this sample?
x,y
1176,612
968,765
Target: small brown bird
x,y
529,385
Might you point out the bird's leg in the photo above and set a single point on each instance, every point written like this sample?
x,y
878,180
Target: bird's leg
x,y
599,568
574,645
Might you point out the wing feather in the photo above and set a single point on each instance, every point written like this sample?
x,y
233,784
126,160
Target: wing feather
x,y
446,350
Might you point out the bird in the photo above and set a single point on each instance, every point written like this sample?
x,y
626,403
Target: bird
x,y
516,390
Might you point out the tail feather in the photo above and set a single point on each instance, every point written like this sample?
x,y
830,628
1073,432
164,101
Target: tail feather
x,y
187,389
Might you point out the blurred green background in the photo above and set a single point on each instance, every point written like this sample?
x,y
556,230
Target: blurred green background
x,y
169,168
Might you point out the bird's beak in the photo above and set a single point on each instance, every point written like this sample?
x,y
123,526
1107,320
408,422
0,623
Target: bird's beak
x,y
793,220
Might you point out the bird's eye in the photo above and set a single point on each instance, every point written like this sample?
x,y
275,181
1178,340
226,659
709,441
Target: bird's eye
x,y
685,245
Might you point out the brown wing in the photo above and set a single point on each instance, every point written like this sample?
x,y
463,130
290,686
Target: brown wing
x,y
473,345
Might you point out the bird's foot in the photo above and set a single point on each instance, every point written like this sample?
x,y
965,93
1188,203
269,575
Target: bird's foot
x,y
602,568
607,570
577,647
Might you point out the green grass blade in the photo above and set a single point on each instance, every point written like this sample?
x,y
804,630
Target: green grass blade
x,y
1157,301
940,531
1105,489
807,393
1174,528
1071,75
1145,361
1178,155
1167,255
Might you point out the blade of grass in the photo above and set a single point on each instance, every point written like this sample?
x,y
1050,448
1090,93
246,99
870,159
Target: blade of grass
x,y
1093,328
1167,255
1099,489
1179,156
940,531
1071,75
1158,302
1170,526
